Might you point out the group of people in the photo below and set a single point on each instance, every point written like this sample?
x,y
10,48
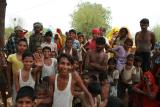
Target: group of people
x,y
57,70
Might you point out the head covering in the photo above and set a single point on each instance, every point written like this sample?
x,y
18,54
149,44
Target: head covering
x,y
150,77
96,30
18,28
58,30
37,24
111,33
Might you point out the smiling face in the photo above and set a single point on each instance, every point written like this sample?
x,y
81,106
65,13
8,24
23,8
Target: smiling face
x,y
64,66
27,62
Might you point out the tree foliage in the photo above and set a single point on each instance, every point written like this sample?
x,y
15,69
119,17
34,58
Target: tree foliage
x,y
88,16
156,30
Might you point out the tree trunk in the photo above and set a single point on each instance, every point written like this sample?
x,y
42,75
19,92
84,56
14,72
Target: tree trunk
x,y
3,5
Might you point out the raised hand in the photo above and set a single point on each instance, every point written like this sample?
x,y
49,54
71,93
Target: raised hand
x,y
38,59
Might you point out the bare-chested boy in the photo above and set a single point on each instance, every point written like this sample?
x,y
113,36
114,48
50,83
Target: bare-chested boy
x,y
145,41
96,60
62,84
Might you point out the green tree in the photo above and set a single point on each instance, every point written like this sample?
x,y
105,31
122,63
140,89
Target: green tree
x,y
88,16
156,30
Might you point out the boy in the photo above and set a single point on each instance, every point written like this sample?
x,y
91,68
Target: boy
x,y
62,84
25,97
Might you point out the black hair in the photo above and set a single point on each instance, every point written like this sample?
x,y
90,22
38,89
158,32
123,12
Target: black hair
x,y
124,28
46,48
129,40
130,56
112,61
63,55
43,86
94,88
26,91
100,41
49,33
73,31
93,78
102,77
144,21
22,40
27,53
138,59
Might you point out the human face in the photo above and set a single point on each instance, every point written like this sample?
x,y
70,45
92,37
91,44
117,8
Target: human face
x,y
144,26
47,53
64,66
41,94
130,61
81,39
95,35
24,102
27,62
76,65
99,47
72,35
86,79
111,66
127,45
69,43
22,46
123,32
49,38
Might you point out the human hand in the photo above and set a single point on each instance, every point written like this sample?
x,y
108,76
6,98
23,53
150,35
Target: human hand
x,y
38,59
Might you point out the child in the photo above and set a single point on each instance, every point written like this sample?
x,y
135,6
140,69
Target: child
x,y
113,76
155,61
126,79
95,89
49,64
104,89
25,97
27,75
42,96
139,72
15,64
127,76
48,42
76,65
121,53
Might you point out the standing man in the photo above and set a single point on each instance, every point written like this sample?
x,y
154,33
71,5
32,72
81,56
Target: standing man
x,y
11,45
145,41
37,37
96,60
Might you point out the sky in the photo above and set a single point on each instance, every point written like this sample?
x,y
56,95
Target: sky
x,y
56,13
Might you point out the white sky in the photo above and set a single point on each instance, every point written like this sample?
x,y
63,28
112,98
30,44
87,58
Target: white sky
x,y
56,13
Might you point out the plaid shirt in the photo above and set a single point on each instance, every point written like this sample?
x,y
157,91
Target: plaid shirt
x,y
11,45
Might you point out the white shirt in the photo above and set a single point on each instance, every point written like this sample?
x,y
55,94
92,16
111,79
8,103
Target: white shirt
x,y
30,82
51,69
63,98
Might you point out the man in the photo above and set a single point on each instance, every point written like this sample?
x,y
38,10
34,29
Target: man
x,y
73,36
11,45
37,38
96,60
144,41
91,43
62,85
